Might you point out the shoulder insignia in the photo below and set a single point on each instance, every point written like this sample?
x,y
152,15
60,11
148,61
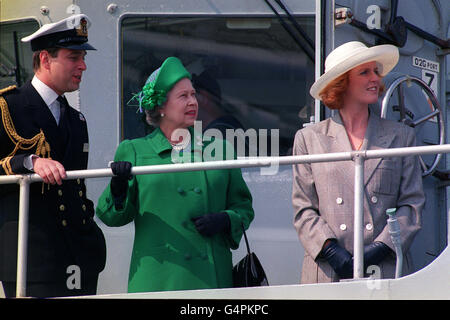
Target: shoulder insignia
x,y
38,141
2,91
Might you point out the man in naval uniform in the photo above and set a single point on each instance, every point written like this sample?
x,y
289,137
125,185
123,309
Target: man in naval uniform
x,y
41,133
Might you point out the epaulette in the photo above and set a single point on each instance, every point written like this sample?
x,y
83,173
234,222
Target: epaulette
x,y
10,88
38,141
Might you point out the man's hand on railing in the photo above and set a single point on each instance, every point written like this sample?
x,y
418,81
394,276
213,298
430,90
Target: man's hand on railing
x,y
50,171
119,183
339,259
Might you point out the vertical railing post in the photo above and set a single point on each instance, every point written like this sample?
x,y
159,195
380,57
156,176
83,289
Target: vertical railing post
x,y
358,237
22,241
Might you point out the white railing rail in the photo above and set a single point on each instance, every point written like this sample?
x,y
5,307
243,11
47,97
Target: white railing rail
x,y
357,156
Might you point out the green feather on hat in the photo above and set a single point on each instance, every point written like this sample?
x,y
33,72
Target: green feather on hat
x,y
160,82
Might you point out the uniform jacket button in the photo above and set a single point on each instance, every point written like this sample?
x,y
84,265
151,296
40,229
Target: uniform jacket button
x,y
187,256
343,227
62,208
83,207
339,200
369,226
59,192
64,223
80,193
180,190
374,199
197,190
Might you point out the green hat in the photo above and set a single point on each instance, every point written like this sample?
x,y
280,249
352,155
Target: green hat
x,y
160,82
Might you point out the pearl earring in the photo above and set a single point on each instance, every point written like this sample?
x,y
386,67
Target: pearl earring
x,y
162,115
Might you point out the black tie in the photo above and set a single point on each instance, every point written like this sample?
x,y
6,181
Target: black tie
x,y
62,105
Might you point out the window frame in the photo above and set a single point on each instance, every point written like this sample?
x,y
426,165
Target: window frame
x,y
191,16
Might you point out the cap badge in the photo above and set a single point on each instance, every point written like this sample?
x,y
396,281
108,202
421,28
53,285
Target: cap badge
x,y
82,29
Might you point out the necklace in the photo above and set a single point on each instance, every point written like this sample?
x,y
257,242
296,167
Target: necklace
x,y
360,145
351,140
180,146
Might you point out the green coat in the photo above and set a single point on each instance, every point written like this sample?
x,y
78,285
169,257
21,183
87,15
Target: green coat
x,y
168,252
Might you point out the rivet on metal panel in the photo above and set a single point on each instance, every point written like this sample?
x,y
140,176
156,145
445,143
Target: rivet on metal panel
x,y
45,10
111,8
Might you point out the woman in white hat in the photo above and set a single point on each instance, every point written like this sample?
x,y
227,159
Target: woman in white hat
x,y
323,193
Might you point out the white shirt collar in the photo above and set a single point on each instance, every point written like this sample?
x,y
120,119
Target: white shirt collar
x,y
48,94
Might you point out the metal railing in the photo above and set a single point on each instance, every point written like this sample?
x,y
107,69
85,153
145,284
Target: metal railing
x,y
358,157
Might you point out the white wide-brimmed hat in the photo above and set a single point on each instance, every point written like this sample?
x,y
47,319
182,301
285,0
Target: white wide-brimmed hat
x,y
350,55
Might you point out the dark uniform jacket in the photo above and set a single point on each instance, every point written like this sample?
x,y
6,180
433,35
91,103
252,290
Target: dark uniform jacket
x,y
62,232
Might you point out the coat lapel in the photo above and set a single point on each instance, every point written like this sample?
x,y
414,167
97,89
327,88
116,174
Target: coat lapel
x,y
336,140
376,138
339,138
43,119
159,142
69,129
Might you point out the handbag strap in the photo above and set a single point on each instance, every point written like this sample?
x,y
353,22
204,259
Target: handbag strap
x,y
245,237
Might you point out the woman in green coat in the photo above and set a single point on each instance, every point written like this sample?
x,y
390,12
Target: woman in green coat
x,y
185,222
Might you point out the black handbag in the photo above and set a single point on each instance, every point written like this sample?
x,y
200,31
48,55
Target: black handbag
x,y
249,272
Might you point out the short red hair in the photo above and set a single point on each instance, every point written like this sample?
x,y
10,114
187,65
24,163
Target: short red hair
x,y
333,94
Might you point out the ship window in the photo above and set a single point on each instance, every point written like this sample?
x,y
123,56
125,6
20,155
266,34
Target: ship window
x,y
15,55
261,74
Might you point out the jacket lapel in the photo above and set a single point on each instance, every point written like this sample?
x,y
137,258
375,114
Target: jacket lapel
x,y
337,135
376,138
158,141
68,131
43,119
336,140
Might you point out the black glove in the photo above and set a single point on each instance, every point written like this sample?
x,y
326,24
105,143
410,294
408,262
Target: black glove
x,y
374,253
119,183
339,259
213,223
